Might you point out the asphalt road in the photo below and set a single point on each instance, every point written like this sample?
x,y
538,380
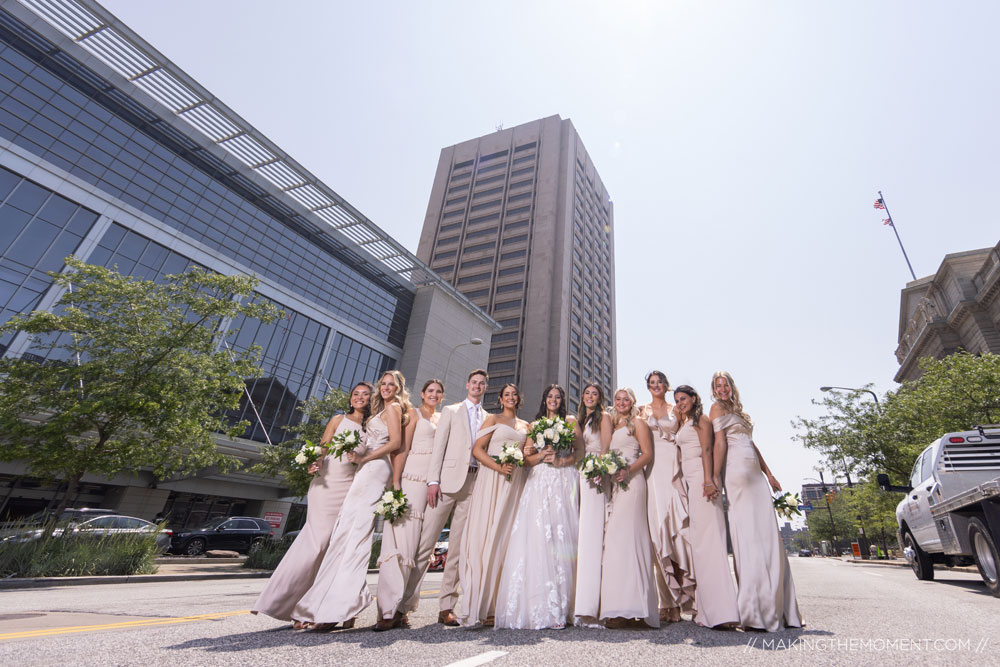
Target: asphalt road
x,y
854,613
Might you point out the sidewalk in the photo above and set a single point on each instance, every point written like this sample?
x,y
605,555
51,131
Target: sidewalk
x,y
168,569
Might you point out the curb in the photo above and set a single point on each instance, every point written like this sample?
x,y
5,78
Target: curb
x,y
897,563
48,582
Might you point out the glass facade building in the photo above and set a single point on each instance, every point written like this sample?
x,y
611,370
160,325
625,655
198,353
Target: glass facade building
x,y
91,166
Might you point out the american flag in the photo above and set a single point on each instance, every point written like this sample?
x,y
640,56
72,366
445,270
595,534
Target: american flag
x,y
887,221
878,204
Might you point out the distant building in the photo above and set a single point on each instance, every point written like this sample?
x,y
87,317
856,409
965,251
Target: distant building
x,y
812,494
520,222
958,307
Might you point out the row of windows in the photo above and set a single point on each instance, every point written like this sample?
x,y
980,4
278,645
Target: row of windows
x,y
116,145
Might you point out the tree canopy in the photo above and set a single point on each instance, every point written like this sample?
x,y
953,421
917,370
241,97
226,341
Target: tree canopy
x,y
126,373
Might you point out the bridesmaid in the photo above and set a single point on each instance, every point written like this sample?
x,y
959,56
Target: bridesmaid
x,y
340,591
765,592
667,505
593,429
536,586
715,595
628,590
491,511
297,569
401,539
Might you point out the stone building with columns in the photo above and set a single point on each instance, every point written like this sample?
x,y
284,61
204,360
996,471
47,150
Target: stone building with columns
x,y
956,308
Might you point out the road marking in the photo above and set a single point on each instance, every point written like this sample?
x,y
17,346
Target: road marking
x,y
127,624
480,659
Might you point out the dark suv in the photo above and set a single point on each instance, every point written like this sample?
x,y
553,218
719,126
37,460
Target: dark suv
x,y
233,533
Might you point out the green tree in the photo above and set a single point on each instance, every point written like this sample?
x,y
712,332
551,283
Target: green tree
x,y
143,381
277,460
875,511
818,522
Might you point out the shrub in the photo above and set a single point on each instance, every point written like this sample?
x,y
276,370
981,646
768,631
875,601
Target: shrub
x,y
267,555
75,556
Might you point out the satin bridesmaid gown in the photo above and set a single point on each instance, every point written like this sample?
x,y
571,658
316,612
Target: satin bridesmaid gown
x,y
668,517
765,592
715,593
487,530
297,570
590,549
628,589
340,591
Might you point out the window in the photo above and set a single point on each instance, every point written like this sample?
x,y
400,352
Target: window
x,y
513,254
518,210
481,246
450,227
520,197
500,366
515,239
522,160
463,164
487,193
503,351
512,271
481,233
506,305
485,205
510,287
492,167
457,200
458,188
475,294
484,218
510,323
445,255
448,241
459,177
521,172
505,337
493,156
491,179
445,269
524,147
474,279
477,262
455,213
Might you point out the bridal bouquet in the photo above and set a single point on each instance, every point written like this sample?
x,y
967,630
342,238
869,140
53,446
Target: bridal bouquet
x,y
613,462
343,442
786,505
392,505
555,433
510,453
308,454
594,468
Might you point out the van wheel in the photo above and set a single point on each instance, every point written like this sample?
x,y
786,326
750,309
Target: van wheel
x,y
985,551
919,561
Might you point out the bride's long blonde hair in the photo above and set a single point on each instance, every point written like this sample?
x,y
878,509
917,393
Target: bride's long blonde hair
x,y
629,418
402,397
733,404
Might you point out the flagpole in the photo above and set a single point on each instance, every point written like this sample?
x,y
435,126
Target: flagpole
x,y
896,232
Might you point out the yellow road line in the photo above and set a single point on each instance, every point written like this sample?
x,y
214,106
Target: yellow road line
x,y
126,624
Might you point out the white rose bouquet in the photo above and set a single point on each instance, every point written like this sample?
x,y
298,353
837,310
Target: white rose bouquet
x,y
613,462
343,442
308,454
510,453
555,433
787,505
392,505
594,468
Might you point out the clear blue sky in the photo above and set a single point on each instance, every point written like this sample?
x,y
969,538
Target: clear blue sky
x,y
742,143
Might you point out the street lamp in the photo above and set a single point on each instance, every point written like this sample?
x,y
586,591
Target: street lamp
x,y
852,389
471,341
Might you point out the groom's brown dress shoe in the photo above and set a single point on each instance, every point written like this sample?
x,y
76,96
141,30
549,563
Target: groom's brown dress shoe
x,y
446,617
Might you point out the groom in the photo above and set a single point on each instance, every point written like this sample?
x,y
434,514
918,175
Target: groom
x,y
450,478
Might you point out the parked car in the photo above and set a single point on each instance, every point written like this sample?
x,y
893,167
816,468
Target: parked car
x,y
950,514
107,525
805,553
440,555
233,533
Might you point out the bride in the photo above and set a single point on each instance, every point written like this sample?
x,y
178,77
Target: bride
x,y
537,585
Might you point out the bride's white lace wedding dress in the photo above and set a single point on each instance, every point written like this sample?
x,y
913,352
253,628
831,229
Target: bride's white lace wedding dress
x,y
538,581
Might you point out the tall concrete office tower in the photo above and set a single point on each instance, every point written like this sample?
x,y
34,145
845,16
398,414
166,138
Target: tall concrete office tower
x,y
520,222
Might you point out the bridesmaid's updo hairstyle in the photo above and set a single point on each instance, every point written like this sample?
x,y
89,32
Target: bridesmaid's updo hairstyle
x,y
733,404
661,375
500,396
402,397
544,410
593,420
366,412
696,409
430,382
629,418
